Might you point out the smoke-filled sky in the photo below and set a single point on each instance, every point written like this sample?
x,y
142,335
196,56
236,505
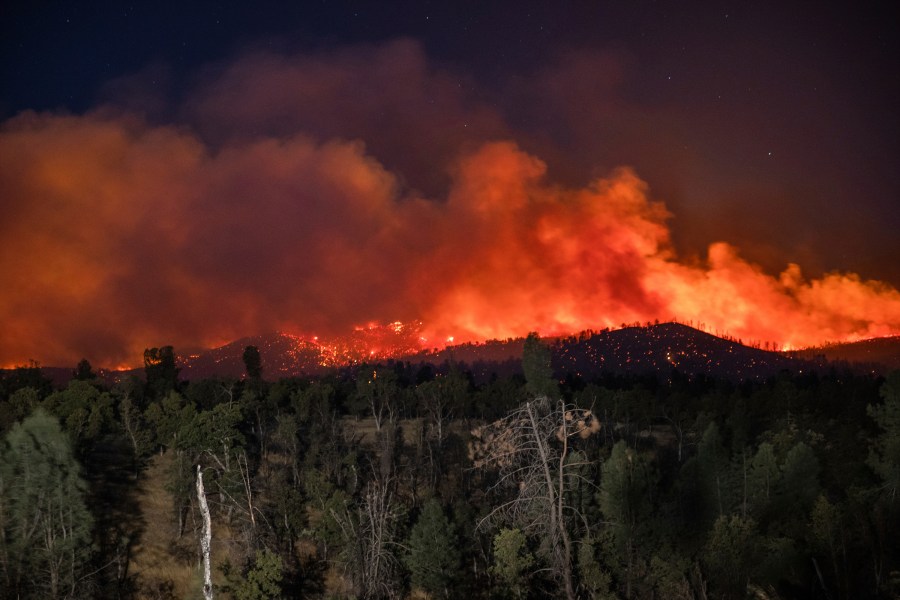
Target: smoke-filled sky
x,y
192,173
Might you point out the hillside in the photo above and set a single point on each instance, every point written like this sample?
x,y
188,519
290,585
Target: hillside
x,y
656,349
660,349
283,356
287,355
882,353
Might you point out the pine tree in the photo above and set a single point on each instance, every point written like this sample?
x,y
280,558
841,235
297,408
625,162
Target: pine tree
x,y
624,502
537,369
513,563
731,554
434,556
252,362
713,462
762,479
884,457
799,481
46,539
263,579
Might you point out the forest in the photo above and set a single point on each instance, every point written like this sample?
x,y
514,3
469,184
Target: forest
x,y
399,480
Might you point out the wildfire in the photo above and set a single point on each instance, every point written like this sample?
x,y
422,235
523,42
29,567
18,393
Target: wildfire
x,y
145,234
372,341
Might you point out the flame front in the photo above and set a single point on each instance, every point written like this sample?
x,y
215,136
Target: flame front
x,y
119,235
539,257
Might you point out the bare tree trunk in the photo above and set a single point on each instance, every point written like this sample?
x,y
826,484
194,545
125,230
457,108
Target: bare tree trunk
x,y
373,567
744,503
206,537
244,469
557,518
521,445
377,412
560,513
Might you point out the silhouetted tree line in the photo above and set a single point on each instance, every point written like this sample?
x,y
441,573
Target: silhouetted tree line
x,y
393,478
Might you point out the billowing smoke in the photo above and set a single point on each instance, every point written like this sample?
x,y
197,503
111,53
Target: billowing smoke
x,y
312,194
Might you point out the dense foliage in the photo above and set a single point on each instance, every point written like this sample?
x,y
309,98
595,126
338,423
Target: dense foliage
x,y
395,479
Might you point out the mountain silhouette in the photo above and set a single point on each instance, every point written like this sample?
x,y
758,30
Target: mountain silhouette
x,y
665,348
654,349
659,350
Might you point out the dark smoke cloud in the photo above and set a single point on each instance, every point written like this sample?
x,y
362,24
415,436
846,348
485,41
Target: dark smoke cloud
x,y
316,192
413,117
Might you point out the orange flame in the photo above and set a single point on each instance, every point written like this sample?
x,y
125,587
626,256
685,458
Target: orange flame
x,y
560,261
119,235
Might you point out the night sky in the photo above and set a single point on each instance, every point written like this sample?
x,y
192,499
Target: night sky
x,y
189,173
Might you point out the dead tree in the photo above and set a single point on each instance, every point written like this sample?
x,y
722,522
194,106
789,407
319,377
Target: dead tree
x,y
380,391
205,536
531,448
370,533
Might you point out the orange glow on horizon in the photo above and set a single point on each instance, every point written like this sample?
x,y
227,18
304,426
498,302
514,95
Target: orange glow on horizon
x,y
133,236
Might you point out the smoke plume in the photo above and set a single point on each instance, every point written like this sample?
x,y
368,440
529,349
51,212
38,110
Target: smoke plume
x,y
311,194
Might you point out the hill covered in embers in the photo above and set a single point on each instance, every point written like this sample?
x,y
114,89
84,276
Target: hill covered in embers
x,y
641,350
664,348
655,350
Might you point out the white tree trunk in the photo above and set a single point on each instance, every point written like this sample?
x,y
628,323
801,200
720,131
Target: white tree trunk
x,y
206,537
